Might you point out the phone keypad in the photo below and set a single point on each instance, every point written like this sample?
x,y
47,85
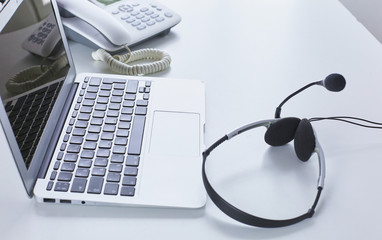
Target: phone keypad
x,y
140,15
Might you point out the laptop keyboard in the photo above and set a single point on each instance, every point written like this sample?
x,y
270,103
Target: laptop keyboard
x,y
100,152
28,116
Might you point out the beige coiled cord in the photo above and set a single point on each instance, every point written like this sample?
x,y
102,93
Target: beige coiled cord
x,y
119,63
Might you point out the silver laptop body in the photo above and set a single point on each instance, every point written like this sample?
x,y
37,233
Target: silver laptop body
x,y
102,138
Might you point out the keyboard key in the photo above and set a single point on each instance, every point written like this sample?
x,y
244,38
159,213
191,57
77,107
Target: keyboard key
x,y
112,113
92,89
53,175
140,110
76,140
111,189
111,120
127,110
105,144
125,118
132,161
96,121
94,129
117,158
119,149
85,163
132,86
101,162
81,124
136,135
129,181
82,172
98,114
106,87
61,186
100,107
60,155
95,185
114,167
69,167
98,171
79,185
109,128
107,136
113,177
129,96
79,132
84,116
90,96
116,99
90,145
127,191
92,137
103,100
120,141
49,186
128,103
95,81
114,106
65,176
87,154
57,165
124,125
141,102
88,103
74,148
104,93
103,153
70,157
130,171
122,133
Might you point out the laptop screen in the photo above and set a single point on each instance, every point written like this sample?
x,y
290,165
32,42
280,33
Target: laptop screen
x,y
32,78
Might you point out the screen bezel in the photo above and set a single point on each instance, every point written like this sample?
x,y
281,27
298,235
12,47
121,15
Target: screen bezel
x,y
7,12
30,175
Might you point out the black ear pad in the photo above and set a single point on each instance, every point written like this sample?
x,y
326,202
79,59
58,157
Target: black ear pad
x,y
304,140
282,131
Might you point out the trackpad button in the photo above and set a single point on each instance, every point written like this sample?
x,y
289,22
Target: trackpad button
x,y
175,133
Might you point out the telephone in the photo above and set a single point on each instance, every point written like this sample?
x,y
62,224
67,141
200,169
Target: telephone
x,y
113,24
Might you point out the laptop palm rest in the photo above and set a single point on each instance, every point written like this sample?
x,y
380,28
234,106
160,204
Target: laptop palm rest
x,y
175,134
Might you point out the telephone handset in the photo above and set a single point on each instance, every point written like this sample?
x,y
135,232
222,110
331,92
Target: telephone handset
x,y
45,41
113,24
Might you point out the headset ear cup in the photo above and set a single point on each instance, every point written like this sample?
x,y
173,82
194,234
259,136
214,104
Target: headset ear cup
x,y
282,131
304,140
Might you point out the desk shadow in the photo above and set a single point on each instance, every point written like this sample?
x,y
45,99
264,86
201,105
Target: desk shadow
x,y
96,211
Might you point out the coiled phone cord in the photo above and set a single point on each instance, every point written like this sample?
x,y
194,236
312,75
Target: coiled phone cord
x,y
119,63
35,76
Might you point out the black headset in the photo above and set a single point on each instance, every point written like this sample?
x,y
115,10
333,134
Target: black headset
x,y
281,131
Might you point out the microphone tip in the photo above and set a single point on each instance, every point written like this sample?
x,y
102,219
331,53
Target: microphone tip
x,y
334,82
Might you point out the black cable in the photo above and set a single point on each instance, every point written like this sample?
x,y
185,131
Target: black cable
x,y
344,119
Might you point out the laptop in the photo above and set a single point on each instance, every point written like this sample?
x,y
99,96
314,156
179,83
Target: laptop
x,y
96,138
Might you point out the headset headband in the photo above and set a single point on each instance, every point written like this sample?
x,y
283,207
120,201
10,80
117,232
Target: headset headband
x,y
244,217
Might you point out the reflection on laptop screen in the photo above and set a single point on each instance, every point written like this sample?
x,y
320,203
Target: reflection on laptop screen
x,y
34,65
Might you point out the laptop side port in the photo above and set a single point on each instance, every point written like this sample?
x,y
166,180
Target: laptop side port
x,y
65,201
49,200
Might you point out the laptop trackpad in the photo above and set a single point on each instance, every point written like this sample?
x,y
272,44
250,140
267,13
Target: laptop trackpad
x,y
175,133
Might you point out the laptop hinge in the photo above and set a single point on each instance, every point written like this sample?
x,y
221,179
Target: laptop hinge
x,y
57,132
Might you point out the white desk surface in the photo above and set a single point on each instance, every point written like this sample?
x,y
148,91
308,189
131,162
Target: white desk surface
x,y
251,55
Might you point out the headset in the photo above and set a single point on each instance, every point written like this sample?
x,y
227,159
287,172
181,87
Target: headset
x,y
281,131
